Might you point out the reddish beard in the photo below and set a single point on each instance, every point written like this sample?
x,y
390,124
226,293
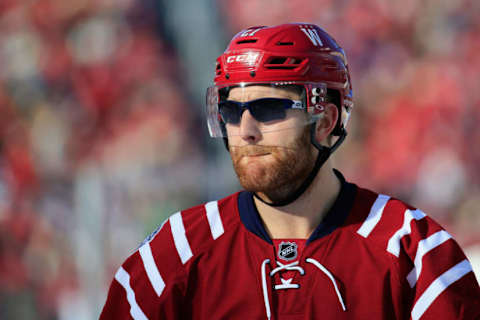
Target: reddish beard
x,y
278,176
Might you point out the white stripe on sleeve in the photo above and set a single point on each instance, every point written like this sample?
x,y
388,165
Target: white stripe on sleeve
x,y
424,246
151,268
394,242
214,219
374,216
438,286
123,278
180,238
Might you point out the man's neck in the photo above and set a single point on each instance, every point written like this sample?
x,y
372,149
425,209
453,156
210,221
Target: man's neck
x,y
299,219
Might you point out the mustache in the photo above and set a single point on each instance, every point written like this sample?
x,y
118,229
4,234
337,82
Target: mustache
x,y
253,150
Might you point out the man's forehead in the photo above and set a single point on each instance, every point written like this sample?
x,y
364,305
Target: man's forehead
x,y
253,92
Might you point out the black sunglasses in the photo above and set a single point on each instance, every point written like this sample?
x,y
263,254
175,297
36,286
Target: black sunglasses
x,y
263,110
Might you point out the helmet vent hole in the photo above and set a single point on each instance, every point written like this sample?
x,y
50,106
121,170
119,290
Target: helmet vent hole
x,y
246,41
285,63
296,61
278,60
286,43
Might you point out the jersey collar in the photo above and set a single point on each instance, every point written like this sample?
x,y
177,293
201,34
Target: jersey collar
x,y
333,219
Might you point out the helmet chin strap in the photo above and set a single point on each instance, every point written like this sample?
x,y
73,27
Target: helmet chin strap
x,y
323,154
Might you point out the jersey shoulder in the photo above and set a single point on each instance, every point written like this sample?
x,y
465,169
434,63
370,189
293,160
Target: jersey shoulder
x,y
406,237
428,263
156,274
185,234
389,224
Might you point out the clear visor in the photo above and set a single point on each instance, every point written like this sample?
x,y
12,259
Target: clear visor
x,y
271,107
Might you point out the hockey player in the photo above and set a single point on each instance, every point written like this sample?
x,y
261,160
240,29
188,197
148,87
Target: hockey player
x,y
300,242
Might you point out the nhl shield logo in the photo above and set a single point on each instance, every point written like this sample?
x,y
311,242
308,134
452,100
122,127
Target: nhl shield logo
x,y
287,251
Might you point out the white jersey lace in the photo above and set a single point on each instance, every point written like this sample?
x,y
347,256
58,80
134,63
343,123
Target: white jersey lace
x,y
287,283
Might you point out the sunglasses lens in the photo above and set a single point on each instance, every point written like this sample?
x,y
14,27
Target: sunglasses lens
x,y
230,112
263,110
268,109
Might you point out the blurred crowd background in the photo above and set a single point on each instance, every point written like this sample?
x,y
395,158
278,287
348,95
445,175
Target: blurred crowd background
x,y
103,133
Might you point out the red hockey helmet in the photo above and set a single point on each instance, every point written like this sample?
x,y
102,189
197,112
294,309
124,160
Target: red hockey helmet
x,y
287,54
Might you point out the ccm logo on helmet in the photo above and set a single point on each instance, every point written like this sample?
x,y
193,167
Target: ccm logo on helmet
x,y
313,36
249,58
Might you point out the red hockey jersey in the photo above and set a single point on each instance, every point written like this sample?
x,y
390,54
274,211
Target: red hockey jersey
x,y
372,257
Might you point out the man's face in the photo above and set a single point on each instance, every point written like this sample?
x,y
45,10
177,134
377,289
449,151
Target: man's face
x,y
273,158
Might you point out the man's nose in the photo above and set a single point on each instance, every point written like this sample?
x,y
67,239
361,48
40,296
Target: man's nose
x,y
249,128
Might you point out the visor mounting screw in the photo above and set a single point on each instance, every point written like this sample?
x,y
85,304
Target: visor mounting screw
x,y
227,76
252,74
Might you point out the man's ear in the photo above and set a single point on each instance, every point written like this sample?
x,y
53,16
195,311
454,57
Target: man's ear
x,y
326,123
